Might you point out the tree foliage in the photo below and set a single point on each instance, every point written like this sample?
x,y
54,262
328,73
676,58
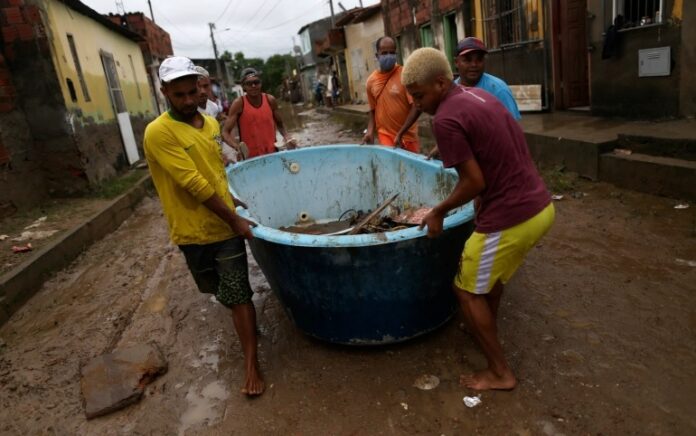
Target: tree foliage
x,y
273,70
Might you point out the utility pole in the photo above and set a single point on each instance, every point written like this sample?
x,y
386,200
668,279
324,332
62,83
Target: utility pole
x,y
333,20
152,16
217,58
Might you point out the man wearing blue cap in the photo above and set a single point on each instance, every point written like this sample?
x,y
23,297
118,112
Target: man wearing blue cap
x,y
470,59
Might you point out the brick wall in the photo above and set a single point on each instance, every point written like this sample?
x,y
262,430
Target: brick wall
x,y
157,44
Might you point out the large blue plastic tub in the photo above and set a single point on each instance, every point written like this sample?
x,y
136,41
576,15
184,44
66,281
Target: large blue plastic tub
x,y
362,289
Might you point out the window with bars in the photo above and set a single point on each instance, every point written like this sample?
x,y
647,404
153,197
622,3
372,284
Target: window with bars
x,y
509,22
639,12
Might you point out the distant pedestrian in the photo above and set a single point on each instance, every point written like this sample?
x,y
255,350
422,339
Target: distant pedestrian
x,y
480,139
257,117
335,88
392,112
182,148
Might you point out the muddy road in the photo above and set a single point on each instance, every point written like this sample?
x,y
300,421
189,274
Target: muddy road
x,y
599,324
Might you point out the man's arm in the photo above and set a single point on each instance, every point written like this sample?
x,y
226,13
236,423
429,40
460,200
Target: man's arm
x,y
231,123
412,117
468,187
240,226
279,123
369,137
509,102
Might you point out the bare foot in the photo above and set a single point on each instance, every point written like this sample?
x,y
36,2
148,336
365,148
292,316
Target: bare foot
x,y
487,379
254,384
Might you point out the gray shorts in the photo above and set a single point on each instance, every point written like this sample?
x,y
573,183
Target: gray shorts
x,y
221,269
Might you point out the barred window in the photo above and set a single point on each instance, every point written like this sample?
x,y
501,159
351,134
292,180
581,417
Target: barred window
x,y
509,22
639,12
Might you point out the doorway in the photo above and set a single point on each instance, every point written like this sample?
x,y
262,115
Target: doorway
x,y
118,104
572,85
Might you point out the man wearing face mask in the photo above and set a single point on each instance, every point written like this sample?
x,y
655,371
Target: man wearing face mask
x,y
392,112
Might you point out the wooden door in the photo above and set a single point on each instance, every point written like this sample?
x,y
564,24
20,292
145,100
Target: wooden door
x,y
573,52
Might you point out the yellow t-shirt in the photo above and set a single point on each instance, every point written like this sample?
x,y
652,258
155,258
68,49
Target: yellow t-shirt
x,y
187,169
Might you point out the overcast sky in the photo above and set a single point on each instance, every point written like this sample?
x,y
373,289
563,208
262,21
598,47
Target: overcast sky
x,y
259,28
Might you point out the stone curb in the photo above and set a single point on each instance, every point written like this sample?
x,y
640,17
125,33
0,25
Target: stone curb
x,y
21,283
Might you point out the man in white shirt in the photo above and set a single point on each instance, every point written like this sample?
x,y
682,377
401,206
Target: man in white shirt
x,y
206,105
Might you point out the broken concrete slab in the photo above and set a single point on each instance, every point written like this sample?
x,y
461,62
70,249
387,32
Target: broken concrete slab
x,y
113,381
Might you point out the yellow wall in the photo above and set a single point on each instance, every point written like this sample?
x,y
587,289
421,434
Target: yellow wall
x,y
90,37
360,53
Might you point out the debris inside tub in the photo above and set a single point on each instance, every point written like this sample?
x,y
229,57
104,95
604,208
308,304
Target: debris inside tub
x,y
397,219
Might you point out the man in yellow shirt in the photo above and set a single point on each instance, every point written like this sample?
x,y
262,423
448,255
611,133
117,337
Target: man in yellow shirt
x,y
182,148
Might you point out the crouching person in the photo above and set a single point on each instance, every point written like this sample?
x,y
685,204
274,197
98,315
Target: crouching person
x,y
478,137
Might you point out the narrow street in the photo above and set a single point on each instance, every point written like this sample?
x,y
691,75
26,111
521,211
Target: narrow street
x,y
599,324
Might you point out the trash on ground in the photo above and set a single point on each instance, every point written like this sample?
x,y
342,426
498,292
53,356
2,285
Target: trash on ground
x,y
623,151
578,195
3,237
472,401
685,262
426,382
39,234
682,206
557,197
36,223
113,381
21,248
405,406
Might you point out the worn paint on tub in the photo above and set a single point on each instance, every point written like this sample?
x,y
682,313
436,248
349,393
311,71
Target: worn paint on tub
x,y
362,289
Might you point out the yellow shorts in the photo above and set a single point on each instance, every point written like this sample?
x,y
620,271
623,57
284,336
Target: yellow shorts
x,y
492,257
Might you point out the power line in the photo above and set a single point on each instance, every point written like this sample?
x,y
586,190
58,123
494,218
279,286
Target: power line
x,y
292,19
229,3
159,12
269,12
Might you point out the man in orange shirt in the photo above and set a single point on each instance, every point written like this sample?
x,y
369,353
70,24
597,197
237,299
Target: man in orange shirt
x,y
391,107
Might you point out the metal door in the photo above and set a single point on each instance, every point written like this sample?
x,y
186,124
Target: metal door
x,y
573,51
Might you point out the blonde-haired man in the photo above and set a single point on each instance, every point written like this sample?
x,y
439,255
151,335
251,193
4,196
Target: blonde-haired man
x,y
480,139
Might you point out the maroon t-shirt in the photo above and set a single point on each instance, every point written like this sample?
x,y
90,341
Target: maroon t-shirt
x,y
472,124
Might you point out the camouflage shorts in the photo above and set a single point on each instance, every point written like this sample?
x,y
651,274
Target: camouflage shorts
x,y
220,268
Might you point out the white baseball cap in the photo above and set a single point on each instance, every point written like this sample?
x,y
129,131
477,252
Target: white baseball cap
x,y
175,67
202,71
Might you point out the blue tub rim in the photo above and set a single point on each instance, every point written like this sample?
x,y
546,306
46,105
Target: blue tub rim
x,y
456,218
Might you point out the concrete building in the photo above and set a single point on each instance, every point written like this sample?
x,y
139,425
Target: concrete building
x,y
156,46
551,51
362,27
321,51
651,71
74,99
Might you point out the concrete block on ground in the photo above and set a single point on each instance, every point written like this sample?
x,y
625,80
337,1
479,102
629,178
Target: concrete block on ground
x,y
669,177
113,381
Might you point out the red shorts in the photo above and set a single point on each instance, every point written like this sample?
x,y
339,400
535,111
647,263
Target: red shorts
x,y
386,139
